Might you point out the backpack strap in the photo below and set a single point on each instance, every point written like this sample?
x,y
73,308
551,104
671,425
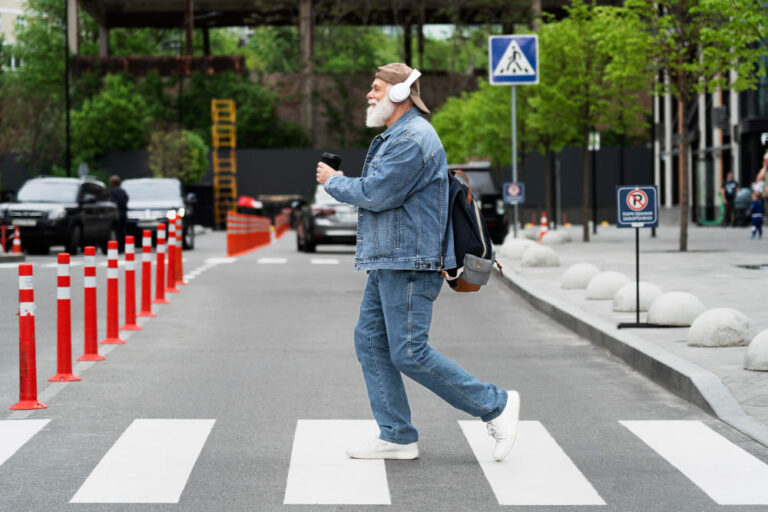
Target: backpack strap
x,y
466,180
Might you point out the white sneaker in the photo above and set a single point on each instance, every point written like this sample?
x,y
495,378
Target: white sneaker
x,y
380,449
503,428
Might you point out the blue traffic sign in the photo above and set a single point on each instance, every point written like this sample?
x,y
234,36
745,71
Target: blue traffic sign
x,y
514,193
637,207
513,60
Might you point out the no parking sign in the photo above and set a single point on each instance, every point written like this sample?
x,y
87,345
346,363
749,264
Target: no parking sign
x,y
637,207
514,193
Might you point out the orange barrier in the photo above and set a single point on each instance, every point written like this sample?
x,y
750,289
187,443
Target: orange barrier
x,y
246,233
282,224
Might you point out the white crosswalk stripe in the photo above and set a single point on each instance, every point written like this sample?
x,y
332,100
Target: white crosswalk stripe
x,y
149,463
15,433
152,460
272,261
536,472
728,474
324,261
321,473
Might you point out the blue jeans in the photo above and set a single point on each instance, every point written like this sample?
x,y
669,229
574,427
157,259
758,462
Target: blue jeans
x,y
391,338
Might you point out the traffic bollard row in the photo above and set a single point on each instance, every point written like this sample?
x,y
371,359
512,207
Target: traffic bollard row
x,y
27,361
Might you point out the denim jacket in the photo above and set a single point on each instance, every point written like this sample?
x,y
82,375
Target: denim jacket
x,y
402,197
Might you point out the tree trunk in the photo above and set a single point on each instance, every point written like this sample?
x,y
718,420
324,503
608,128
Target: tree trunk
x,y
586,213
683,113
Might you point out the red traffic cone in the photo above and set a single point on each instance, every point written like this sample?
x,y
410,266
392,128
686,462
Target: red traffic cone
x,y
544,226
16,242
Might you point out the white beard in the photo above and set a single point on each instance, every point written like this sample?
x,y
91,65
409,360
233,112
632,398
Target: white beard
x,y
378,112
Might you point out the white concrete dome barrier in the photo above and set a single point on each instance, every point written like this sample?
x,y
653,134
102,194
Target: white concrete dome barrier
x,y
626,298
515,247
675,308
577,277
719,327
555,237
540,256
605,285
531,233
757,353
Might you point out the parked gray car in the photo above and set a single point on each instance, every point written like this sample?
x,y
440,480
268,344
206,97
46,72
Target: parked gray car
x,y
325,221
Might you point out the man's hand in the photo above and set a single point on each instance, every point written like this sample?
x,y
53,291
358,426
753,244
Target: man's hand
x,y
325,171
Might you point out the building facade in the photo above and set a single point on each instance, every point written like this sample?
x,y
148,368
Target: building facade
x,y
728,132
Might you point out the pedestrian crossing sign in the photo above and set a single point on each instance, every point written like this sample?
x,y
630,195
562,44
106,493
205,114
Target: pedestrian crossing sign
x,y
513,60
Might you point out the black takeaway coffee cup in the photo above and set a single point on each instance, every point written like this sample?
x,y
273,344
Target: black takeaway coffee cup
x,y
334,161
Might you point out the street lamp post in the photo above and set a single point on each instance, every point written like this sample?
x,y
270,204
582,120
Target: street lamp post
x,y
67,151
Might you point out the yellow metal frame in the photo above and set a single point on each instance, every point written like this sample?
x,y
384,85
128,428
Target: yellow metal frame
x,y
224,142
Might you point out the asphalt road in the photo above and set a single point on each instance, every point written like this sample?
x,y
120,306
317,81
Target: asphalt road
x,y
241,394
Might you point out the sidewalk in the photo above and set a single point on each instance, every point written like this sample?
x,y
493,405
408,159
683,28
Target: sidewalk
x,y
713,378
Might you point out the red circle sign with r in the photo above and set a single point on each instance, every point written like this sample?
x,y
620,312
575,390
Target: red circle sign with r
x,y
637,200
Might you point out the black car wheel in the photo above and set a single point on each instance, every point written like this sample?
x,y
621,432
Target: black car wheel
x,y
309,246
75,236
188,237
110,238
300,238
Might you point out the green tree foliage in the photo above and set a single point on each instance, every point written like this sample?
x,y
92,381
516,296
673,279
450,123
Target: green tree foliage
x,y
600,75
695,43
476,124
114,119
178,154
257,122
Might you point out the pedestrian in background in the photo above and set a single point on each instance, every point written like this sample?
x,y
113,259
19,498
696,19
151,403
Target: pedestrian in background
x,y
118,196
728,194
401,233
758,212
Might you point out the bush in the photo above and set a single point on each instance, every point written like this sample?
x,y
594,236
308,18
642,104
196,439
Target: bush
x,y
114,119
178,154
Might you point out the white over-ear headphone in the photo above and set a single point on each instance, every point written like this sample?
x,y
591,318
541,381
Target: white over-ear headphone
x,y
400,92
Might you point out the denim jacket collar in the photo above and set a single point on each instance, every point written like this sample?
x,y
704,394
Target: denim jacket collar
x,y
397,125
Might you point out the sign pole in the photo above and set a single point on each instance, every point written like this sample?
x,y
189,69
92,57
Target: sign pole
x,y
514,150
637,275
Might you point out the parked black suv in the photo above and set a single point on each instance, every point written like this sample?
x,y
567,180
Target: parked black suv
x,y
62,211
152,200
487,191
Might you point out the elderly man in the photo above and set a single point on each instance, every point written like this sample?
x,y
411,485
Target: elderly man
x,y
401,236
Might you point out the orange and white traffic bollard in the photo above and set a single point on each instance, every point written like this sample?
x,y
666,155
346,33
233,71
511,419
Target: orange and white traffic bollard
x,y
27,363
544,226
146,274
16,242
63,323
130,286
171,285
91,352
179,252
113,300
160,276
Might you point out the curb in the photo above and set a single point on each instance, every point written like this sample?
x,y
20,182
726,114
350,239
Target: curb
x,y
678,375
12,258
